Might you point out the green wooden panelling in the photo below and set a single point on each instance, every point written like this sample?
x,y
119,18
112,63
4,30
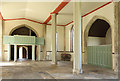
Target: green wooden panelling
x,y
8,40
23,40
40,41
100,55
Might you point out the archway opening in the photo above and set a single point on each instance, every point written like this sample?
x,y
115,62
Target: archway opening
x,y
23,30
23,53
99,33
99,44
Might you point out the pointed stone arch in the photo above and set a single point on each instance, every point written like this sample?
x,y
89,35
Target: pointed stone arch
x,y
27,26
86,31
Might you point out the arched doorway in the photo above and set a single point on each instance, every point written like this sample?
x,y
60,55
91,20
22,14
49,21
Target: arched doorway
x,y
26,31
98,44
23,53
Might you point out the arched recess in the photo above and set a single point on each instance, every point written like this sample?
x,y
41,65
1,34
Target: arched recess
x,y
24,25
87,32
23,29
23,50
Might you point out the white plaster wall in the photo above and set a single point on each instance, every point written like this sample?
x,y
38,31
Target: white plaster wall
x,y
9,25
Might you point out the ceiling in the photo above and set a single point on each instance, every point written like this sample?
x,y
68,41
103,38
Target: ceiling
x,y
40,11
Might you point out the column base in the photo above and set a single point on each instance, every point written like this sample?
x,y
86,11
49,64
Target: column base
x,y
33,60
8,60
115,70
75,71
54,63
44,59
15,61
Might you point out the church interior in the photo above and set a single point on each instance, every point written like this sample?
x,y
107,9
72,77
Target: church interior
x,y
59,39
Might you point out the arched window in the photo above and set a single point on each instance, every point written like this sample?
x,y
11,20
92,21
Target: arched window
x,y
71,39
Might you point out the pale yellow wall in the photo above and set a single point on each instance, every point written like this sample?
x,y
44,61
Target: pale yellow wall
x,y
94,41
9,25
60,44
67,34
48,38
67,39
108,37
60,31
107,12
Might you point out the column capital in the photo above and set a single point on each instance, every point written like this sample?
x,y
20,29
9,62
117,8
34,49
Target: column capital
x,y
54,13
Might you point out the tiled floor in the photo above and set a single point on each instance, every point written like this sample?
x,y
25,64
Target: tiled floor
x,y
46,70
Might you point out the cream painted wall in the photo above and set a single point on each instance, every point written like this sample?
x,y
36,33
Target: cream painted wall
x,y
67,39
107,12
108,37
60,31
67,34
9,25
60,44
94,41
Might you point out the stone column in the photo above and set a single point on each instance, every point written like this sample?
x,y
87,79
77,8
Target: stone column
x,y
77,61
54,59
9,52
115,39
44,47
1,39
33,52
64,40
15,53
119,40
27,52
39,52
